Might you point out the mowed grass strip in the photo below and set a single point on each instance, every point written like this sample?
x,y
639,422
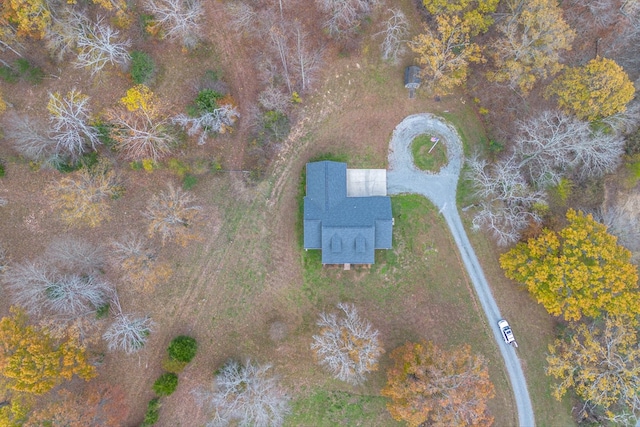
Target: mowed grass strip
x,y
418,290
324,408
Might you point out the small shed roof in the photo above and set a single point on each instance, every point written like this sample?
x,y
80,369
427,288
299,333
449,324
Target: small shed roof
x,y
412,76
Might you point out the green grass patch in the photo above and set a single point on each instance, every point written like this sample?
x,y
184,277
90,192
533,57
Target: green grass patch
x,y
427,154
22,69
334,408
470,128
189,181
143,67
466,191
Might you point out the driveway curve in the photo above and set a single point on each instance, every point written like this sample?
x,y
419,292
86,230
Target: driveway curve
x,y
440,188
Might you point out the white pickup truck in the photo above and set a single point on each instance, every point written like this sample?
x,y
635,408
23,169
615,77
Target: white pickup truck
x,y
507,333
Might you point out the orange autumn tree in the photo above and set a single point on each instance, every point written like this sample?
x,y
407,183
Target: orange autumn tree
x,y
431,386
99,404
31,361
580,271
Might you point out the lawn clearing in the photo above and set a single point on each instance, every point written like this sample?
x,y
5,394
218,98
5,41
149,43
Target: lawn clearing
x,y
418,290
428,153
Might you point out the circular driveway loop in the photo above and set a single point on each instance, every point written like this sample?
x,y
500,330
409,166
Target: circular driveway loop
x,y
440,188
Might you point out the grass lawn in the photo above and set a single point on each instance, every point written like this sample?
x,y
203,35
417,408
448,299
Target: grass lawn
x,y
426,155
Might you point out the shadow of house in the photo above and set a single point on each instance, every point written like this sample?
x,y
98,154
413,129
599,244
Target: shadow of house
x,y
347,213
412,79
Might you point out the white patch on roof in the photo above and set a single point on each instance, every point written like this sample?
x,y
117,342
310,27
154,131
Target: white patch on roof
x,y
366,182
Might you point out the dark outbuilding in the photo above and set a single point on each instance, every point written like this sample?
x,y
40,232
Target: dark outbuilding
x,y
412,79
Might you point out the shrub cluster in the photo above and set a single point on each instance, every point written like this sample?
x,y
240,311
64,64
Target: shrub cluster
x,y
142,67
22,69
180,352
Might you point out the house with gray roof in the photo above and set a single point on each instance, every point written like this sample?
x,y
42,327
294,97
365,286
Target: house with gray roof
x,y
347,213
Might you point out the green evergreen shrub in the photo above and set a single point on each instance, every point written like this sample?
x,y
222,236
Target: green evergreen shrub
x,y
165,384
183,349
142,67
153,413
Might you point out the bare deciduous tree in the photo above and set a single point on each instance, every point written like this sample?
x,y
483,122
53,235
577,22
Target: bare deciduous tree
x,y
553,144
69,117
172,214
395,31
305,62
74,255
248,395
139,263
3,259
41,289
347,345
30,138
141,135
507,203
217,121
244,18
273,99
61,38
127,332
279,43
179,19
98,45
344,16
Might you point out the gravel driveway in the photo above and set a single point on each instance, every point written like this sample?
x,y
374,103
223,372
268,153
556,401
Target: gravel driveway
x,y
440,188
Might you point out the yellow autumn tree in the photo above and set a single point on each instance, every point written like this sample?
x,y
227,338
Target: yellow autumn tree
x,y
140,97
29,17
82,198
476,14
14,408
578,272
533,36
598,89
31,361
600,362
445,54
431,386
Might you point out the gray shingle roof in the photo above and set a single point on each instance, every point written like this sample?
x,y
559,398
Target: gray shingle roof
x,y
347,229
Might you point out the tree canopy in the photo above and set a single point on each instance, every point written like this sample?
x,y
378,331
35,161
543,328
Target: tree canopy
x,y
476,14
600,362
431,386
598,89
533,35
32,361
580,271
445,54
30,17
